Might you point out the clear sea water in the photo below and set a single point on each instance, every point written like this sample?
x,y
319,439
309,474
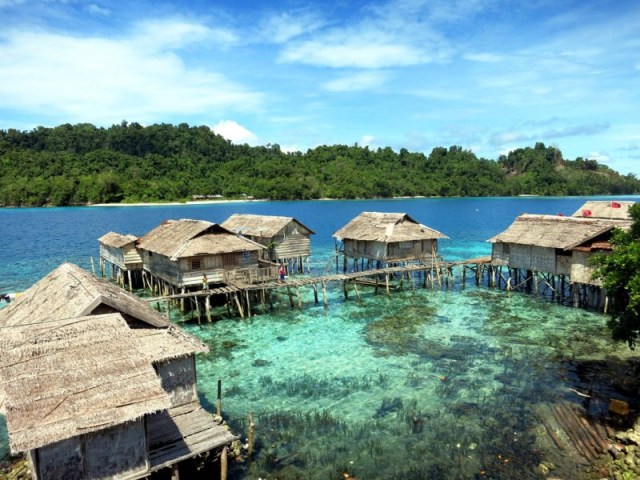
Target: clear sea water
x,y
424,384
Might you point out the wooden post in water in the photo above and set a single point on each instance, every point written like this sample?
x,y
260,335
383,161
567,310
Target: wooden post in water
x,y
248,303
315,292
219,401
207,307
324,294
345,289
224,463
355,289
175,472
250,439
240,310
386,280
130,282
168,302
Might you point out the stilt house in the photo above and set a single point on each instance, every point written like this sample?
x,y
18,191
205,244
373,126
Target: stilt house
x,y
387,238
182,252
616,211
288,240
121,254
552,244
96,384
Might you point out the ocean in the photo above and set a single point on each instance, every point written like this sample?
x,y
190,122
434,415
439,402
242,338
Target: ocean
x,y
422,384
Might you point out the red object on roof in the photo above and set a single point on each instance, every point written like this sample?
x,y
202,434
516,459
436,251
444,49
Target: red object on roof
x,y
586,213
615,205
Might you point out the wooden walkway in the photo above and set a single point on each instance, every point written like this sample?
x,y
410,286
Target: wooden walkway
x,y
239,295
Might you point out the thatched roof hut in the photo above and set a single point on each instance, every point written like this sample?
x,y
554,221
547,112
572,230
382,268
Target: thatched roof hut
x,y
117,240
184,238
263,226
605,209
386,228
552,244
82,361
288,240
181,252
64,378
552,231
388,238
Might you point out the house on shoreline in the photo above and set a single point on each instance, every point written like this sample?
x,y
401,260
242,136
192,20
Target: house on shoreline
x,y
96,384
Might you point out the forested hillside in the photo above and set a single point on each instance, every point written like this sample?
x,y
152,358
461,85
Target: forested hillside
x,y
79,164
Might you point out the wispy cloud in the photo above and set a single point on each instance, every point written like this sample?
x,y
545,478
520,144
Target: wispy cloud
x,y
99,79
358,81
94,9
282,27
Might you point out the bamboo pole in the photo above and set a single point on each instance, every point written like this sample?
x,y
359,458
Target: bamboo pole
x,y
324,294
207,307
219,401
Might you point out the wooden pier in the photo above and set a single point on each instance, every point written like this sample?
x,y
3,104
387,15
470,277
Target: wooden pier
x,y
240,297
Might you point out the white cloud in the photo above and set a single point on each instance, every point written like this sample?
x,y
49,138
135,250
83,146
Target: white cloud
x,y
98,10
359,81
235,132
599,156
285,26
366,141
483,57
354,51
105,80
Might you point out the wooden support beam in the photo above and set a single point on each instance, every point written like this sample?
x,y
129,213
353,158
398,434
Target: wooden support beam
x,y
324,294
224,463
207,307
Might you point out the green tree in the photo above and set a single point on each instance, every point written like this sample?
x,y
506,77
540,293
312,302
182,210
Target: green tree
x,y
620,275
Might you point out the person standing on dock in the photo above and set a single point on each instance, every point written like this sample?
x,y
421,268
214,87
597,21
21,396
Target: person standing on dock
x,y
205,282
282,272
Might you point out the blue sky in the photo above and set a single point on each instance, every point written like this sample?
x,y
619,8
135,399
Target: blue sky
x,y
487,75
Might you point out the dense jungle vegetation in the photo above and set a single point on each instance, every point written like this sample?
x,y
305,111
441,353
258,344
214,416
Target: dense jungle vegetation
x,y
79,164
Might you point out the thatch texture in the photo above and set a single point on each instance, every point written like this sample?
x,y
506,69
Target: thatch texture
x,y
216,244
264,226
184,238
386,227
116,240
69,291
552,231
161,344
63,378
611,210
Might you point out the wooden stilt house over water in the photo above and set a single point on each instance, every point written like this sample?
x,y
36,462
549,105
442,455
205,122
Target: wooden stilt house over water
x,y
288,240
384,239
96,384
189,253
607,210
554,246
121,254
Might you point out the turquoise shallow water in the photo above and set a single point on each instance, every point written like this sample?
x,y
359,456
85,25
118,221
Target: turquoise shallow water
x,y
422,385
425,384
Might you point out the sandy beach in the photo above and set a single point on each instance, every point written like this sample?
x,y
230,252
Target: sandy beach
x,y
171,204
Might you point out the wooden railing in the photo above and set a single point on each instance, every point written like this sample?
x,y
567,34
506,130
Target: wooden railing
x,y
251,275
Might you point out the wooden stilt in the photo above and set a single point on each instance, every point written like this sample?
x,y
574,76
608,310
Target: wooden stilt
x,y
324,294
290,296
219,401
224,463
130,281
207,307
386,280
355,289
315,292
175,472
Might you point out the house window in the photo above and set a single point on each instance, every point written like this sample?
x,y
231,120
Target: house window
x,y
405,245
196,264
246,256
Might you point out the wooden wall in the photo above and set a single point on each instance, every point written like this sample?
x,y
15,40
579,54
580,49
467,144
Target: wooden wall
x,y
116,452
113,255
581,270
396,251
293,246
178,378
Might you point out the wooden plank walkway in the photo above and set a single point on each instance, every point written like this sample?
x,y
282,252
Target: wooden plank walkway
x,y
183,432
322,279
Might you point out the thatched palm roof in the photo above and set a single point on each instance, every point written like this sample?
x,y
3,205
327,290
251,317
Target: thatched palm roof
x,y
266,226
552,231
69,292
189,238
611,210
117,240
386,227
63,378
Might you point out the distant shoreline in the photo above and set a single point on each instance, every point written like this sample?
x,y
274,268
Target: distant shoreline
x,y
172,204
